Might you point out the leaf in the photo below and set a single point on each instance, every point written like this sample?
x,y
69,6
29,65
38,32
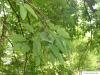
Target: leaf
x,y
52,58
37,60
56,53
37,51
60,58
29,8
29,28
37,47
23,12
62,32
25,48
59,44
65,44
17,46
17,38
54,50
44,37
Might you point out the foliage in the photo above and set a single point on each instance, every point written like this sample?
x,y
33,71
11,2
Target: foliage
x,y
49,37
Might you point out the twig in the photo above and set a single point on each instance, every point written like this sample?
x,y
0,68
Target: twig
x,y
17,15
25,64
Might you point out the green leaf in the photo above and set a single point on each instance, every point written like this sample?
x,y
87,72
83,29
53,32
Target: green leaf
x,y
54,50
17,38
23,12
56,53
25,48
37,60
62,32
44,37
17,46
52,58
65,45
29,28
59,44
37,47
29,8
60,58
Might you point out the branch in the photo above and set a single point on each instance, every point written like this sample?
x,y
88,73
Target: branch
x,y
17,15
41,16
25,64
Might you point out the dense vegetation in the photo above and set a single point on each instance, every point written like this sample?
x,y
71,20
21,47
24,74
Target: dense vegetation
x,y
49,37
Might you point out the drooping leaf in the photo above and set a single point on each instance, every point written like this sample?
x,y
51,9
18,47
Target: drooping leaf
x,y
37,47
52,58
37,61
22,47
54,50
17,46
60,58
25,48
29,8
29,28
57,54
63,33
44,36
23,12
59,44
17,38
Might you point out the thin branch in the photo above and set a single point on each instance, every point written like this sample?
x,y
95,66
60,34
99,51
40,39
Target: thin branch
x,y
17,15
25,64
13,8
41,16
28,19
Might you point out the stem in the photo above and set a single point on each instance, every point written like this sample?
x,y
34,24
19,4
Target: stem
x,y
25,64
17,15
